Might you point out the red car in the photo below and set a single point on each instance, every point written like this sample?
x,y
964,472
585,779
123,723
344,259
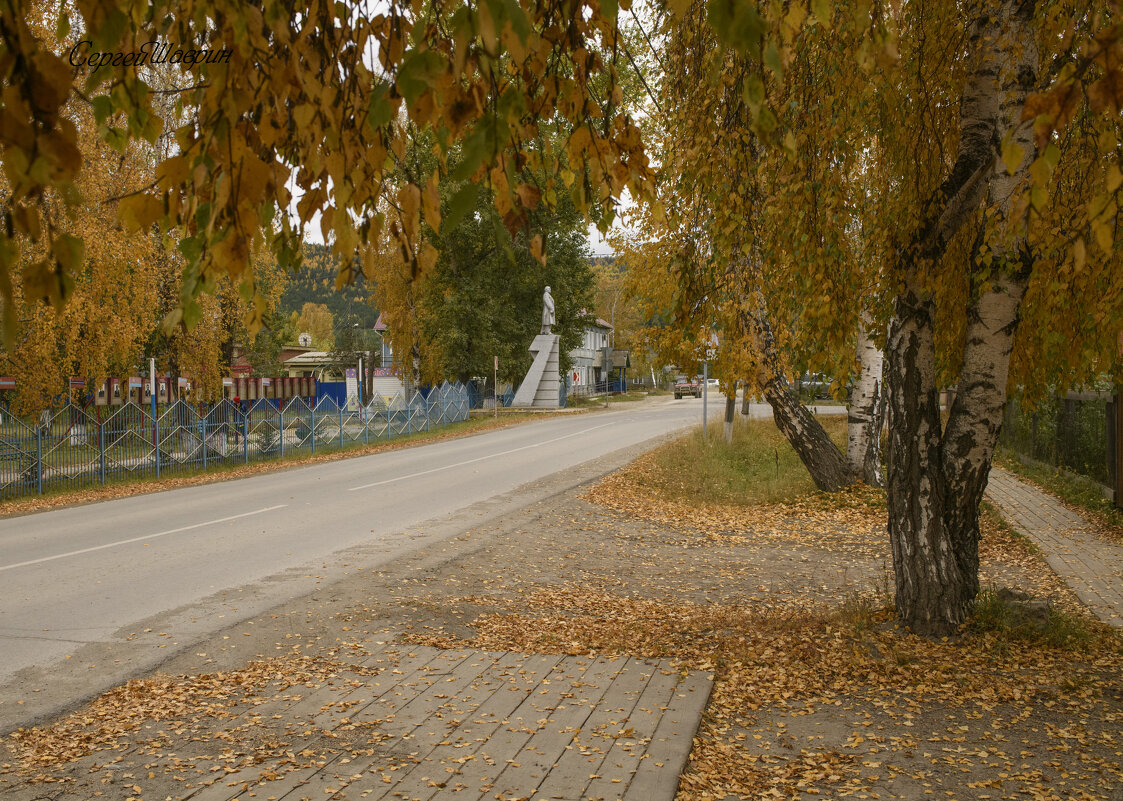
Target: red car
x,y
687,386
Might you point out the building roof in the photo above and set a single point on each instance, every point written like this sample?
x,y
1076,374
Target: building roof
x,y
317,357
598,322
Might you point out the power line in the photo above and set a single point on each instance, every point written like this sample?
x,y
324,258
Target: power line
x,y
639,73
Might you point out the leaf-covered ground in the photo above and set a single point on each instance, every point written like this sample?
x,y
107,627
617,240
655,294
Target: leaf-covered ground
x,y
817,694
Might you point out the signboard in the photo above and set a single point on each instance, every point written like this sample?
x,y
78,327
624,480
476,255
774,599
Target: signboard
x,y
382,372
135,382
711,347
7,383
351,376
228,382
75,381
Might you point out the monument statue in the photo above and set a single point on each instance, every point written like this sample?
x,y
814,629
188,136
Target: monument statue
x,y
542,385
547,311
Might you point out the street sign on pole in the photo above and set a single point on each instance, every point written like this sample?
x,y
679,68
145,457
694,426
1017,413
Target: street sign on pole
x,y
495,387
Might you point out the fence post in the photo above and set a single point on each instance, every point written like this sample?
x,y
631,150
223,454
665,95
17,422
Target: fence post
x,y
245,437
281,427
101,448
341,428
203,434
39,458
312,430
1117,403
156,438
1062,441
1109,450
365,412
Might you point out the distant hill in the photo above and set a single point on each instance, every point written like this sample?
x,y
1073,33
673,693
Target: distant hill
x,y
315,283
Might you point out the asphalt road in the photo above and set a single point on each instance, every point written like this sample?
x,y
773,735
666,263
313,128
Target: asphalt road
x,y
96,593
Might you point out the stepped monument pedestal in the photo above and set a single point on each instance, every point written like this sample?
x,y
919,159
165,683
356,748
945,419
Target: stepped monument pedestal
x,y
542,386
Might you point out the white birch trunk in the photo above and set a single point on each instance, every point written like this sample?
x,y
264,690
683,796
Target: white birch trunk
x,y
822,458
936,479
864,422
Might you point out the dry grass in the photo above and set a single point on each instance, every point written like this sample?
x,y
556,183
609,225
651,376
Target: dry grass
x,y
759,466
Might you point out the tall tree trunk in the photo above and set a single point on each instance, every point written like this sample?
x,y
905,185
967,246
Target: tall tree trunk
x,y
931,589
864,422
936,479
822,458
730,408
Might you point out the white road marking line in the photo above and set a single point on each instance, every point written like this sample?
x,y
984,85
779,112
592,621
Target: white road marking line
x,y
479,458
140,539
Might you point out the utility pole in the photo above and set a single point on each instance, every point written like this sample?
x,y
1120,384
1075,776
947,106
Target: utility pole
x,y
612,318
705,394
607,363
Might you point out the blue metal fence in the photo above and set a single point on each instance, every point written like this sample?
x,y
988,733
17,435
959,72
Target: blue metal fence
x,y
73,448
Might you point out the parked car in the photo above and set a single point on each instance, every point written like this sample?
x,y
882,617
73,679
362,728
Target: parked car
x,y
816,385
687,386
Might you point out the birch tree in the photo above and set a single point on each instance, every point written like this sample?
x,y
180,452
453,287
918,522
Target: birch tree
x,y
957,160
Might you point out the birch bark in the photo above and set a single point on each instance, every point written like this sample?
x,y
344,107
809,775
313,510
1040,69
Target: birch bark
x,y
822,458
936,478
864,422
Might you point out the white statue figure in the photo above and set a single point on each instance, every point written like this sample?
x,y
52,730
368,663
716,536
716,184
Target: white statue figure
x,y
547,311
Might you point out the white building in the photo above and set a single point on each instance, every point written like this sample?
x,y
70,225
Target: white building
x,y
588,359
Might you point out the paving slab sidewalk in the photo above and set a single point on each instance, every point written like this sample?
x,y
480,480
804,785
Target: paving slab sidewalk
x,y
469,724
428,724
1092,566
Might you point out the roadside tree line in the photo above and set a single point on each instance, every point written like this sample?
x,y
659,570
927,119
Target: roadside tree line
x,y
934,184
